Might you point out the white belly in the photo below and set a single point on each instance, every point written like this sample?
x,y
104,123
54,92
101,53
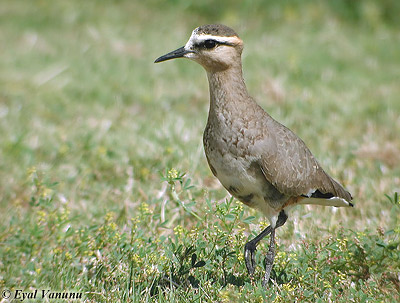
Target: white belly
x,y
243,182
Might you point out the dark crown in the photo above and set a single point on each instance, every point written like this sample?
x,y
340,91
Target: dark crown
x,y
216,30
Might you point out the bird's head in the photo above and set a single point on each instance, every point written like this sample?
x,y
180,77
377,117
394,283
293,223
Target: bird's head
x,y
215,46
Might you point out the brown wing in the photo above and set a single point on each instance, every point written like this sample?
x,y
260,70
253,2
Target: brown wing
x,y
289,165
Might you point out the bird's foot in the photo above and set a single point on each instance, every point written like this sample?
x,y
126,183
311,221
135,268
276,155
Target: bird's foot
x,y
250,248
269,263
249,257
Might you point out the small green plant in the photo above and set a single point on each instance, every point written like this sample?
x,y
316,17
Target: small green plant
x,y
172,177
395,199
184,274
87,121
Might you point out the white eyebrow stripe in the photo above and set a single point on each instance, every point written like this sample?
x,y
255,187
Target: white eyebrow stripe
x,y
197,39
226,40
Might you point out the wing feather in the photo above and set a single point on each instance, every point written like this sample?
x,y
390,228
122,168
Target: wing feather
x,y
288,164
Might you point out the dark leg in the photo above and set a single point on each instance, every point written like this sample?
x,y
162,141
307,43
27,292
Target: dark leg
x,y
250,248
269,258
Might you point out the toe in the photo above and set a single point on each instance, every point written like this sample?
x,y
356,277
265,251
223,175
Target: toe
x,y
249,260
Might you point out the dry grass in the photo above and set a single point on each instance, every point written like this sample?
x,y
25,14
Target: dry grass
x,y
82,105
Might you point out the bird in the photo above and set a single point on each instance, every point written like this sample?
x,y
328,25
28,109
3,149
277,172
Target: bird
x,y
257,160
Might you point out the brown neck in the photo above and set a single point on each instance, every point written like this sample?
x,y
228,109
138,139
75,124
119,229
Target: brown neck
x,y
227,89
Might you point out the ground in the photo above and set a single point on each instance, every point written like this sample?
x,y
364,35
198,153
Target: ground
x,y
104,186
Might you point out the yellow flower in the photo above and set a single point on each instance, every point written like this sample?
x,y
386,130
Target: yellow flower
x,y
288,287
88,253
144,172
135,221
101,150
64,214
172,173
194,232
136,258
64,148
293,256
57,251
162,258
112,226
280,258
342,276
278,299
144,209
31,171
109,216
239,207
264,224
228,294
342,244
117,236
224,296
178,230
92,243
45,192
231,238
68,255
41,216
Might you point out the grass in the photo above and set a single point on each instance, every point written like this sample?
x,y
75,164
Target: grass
x,y
104,186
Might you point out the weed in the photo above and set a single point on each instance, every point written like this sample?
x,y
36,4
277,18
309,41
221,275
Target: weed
x,y
104,188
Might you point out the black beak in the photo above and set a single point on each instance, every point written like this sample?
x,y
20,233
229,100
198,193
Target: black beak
x,y
178,53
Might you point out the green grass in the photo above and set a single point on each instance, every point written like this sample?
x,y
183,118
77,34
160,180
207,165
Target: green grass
x,y
104,187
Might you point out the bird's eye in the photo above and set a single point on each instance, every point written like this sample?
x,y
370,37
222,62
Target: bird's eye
x,y
210,43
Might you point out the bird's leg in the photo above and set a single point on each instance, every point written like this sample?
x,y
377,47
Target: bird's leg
x,y
269,258
250,248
